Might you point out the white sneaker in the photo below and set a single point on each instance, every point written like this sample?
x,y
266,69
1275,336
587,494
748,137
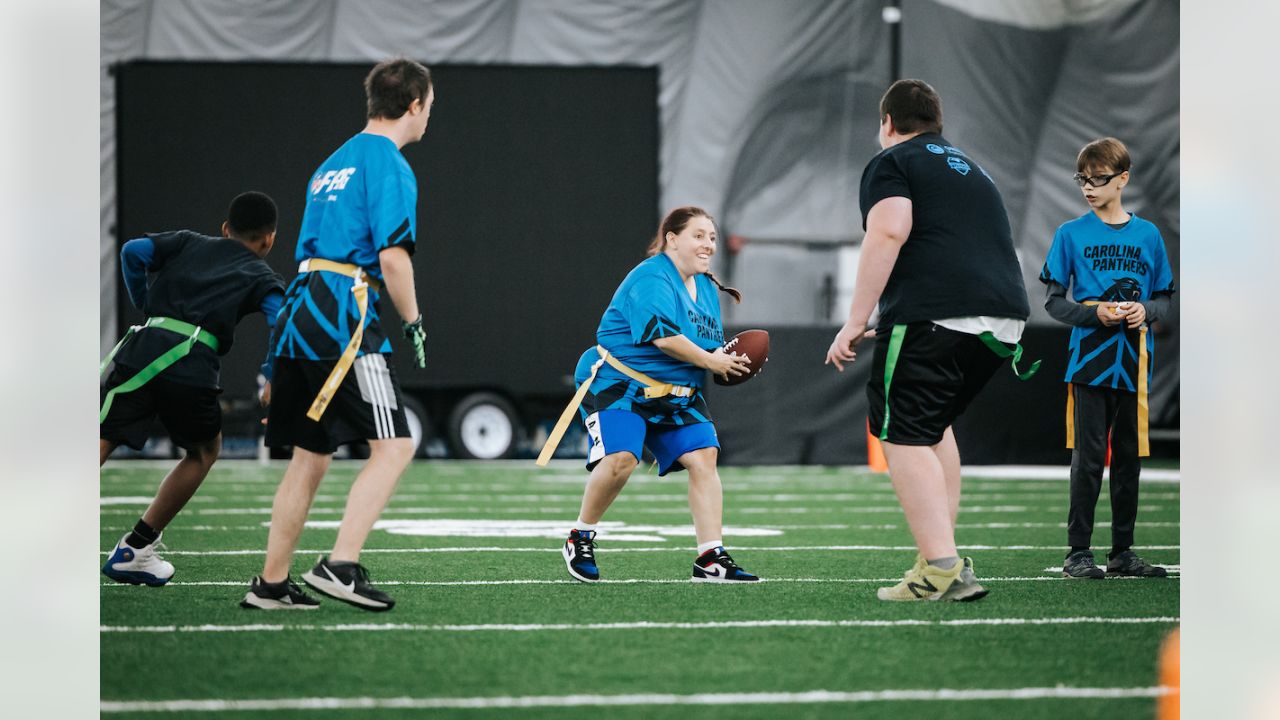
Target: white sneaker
x,y
138,566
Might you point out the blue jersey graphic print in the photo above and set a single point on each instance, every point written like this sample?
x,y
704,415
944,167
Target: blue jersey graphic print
x,y
1105,264
653,303
361,201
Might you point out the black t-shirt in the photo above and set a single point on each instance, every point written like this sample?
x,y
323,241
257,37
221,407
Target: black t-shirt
x,y
206,281
958,260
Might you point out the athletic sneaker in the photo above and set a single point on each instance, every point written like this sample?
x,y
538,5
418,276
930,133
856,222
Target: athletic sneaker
x,y
579,553
138,566
927,582
348,582
1080,565
966,587
1128,563
284,595
715,565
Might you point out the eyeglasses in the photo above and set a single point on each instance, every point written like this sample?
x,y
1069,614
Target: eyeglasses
x,y
1095,180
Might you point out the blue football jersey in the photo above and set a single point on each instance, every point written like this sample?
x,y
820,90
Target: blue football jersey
x,y
360,201
1105,264
653,303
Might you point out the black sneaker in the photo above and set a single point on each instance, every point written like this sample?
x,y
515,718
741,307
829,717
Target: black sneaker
x,y
348,582
1129,564
1080,565
284,595
715,565
579,553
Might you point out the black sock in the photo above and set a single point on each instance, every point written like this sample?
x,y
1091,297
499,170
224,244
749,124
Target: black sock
x,y
1116,550
142,535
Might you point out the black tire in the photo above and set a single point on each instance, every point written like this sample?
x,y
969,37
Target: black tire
x,y
419,425
484,426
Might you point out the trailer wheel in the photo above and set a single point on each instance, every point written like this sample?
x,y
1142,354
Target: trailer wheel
x,y
484,426
419,425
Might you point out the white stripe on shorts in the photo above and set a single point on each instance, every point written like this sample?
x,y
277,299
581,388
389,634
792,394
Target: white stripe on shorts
x,y
374,380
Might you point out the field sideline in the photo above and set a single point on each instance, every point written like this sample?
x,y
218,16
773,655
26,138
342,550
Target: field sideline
x,y
488,624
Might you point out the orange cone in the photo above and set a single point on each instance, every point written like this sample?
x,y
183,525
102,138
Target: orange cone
x,y
875,453
1170,677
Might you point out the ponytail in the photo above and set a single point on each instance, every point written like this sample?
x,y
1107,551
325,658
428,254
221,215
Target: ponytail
x,y
733,292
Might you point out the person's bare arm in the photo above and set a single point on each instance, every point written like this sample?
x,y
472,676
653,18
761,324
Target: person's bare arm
x,y
888,226
397,280
718,362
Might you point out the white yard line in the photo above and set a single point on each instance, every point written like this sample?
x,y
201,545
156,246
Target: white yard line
x,y
520,498
639,625
556,549
648,699
634,581
817,526
571,471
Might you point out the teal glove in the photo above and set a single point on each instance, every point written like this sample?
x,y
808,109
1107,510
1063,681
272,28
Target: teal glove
x,y
417,338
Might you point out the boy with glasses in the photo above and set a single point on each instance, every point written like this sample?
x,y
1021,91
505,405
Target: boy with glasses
x,y
1116,265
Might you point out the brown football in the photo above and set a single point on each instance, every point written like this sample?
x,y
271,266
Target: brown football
x,y
752,343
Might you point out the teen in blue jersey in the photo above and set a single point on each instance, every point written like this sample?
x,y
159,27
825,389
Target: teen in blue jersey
x,y
641,386
168,368
1116,266
332,383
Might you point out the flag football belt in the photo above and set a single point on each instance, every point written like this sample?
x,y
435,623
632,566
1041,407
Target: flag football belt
x,y
652,389
1144,402
988,338
360,289
193,333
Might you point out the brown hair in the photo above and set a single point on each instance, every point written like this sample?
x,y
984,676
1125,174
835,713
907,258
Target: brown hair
x,y
1107,152
914,106
392,86
675,222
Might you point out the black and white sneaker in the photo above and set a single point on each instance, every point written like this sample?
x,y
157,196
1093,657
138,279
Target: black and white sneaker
x,y
715,565
284,595
1080,565
348,582
579,553
1129,564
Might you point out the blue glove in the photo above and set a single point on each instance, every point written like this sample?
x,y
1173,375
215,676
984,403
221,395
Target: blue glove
x,y
417,338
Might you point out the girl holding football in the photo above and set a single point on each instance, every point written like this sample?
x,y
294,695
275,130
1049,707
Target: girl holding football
x,y
641,386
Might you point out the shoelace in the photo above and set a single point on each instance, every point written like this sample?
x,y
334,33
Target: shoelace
x,y
585,547
362,575
726,562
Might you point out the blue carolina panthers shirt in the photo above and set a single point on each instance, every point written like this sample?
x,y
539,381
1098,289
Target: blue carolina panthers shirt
x,y
653,303
361,201
1098,262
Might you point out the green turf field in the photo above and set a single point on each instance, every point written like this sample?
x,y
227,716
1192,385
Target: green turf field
x,y
488,624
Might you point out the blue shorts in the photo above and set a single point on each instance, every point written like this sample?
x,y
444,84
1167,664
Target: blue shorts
x,y
611,431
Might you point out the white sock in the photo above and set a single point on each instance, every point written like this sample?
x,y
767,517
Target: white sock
x,y
709,545
583,526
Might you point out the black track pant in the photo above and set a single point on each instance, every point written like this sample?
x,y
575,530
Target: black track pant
x,y
1097,412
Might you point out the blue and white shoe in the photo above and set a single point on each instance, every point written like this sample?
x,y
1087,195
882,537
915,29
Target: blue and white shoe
x,y
138,566
715,565
580,555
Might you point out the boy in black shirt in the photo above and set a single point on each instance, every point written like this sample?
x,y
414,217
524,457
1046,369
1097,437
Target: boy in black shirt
x,y
938,259
168,367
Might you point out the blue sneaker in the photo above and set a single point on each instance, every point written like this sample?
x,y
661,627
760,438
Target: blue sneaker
x,y
580,555
715,565
138,566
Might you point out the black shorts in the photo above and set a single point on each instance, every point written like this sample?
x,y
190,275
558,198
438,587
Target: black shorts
x,y
938,373
191,415
367,406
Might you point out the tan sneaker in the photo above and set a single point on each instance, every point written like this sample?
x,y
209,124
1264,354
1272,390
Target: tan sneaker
x,y
966,587
922,582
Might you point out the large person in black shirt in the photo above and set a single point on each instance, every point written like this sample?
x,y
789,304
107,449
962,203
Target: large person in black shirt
x,y
938,258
